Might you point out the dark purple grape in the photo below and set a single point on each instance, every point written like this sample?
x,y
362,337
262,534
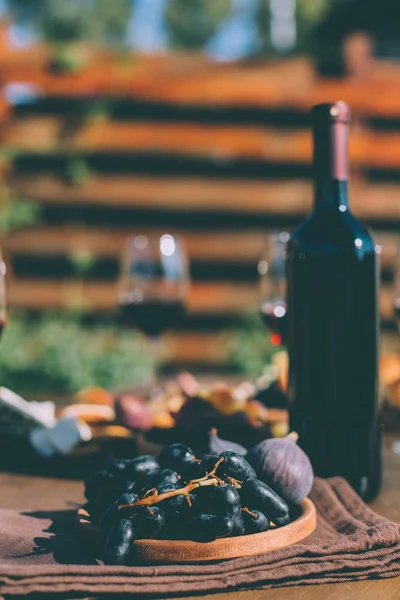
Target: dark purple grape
x,y
173,504
200,499
126,486
162,476
148,522
101,489
98,484
238,525
175,457
208,462
259,495
255,522
282,521
113,513
224,500
191,470
138,469
235,466
127,498
118,545
198,469
117,466
167,486
206,527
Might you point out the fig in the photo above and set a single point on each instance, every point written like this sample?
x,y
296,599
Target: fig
x,y
133,412
284,466
218,445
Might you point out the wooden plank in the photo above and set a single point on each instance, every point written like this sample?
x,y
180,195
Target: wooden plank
x,y
195,80
268,197
216,141
190,79
47,134
175,193
51,134
205,298
222,246
215,246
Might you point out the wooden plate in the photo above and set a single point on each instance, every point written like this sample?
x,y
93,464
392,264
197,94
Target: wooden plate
x,y
184,551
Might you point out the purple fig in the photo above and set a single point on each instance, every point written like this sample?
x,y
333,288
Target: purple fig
x,y
285,467
216,444
133,412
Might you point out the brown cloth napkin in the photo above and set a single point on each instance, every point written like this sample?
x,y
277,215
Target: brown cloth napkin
x,y
39,552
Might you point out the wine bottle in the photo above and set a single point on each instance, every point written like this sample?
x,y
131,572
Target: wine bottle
x,y
333,320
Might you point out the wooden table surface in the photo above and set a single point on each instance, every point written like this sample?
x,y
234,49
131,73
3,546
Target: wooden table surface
x,y
40,493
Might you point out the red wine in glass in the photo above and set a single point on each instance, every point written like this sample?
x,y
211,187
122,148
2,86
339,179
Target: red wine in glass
x,y
153,286
274,315
152,316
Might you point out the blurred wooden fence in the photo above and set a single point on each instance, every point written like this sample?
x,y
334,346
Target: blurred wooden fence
x,y
218,153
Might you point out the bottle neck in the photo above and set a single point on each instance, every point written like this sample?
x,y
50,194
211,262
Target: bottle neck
x,y
331,193
330,165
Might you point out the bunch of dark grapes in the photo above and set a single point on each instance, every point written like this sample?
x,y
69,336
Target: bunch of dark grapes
x,y
178,496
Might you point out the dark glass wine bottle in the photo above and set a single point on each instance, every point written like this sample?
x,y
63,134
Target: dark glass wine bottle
x,y
333,320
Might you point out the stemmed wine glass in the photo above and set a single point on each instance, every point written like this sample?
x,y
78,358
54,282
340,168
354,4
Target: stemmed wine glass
x,y
153,287
272,272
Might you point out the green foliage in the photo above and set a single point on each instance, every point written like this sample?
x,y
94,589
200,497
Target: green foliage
x,y
64,21
56,353
82,261
190,23
66,59
252,349
76,171
312,11
97,111
309,13
263,27
16,213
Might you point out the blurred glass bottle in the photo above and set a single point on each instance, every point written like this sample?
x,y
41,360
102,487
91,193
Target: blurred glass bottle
x,y
332,270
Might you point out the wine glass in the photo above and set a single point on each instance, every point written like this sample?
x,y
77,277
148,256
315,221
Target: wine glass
x,y
153,287
272,272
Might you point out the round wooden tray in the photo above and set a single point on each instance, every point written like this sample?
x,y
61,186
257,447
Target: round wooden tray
x,y
184,551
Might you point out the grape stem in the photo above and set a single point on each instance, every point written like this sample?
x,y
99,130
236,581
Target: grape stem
x,y
235,482
185,491
153,497
246,510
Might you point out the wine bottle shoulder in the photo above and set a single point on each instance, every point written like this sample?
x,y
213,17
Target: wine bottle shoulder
x,y
331,231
